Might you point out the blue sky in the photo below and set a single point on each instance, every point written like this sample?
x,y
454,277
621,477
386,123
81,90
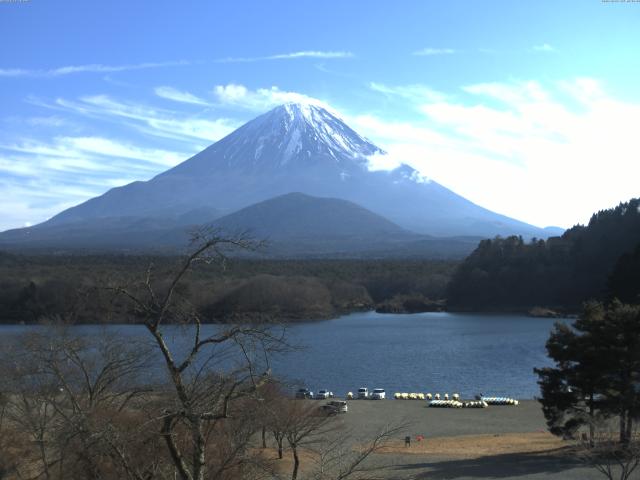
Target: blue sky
x,y
530,109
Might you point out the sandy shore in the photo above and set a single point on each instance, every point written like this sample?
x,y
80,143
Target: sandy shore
x,y
506,442
369,416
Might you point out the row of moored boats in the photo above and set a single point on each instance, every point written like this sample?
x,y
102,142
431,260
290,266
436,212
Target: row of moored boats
x,y
483,402
454,401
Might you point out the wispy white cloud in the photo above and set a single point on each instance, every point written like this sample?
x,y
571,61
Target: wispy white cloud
x,y
290,56
31,198
14,72
86,153
416,93
171,93
48,121
102,68
41,178
34,201
110,148
429,51
310,54
523,148
510,93
88,68
260,99
73,168
157,122
543,47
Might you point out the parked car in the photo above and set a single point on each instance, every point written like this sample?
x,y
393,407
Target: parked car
x,y
378,394
304,393
340,405
323,395
329,409
363,392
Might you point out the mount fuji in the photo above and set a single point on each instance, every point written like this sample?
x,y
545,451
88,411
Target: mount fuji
x,y
293,148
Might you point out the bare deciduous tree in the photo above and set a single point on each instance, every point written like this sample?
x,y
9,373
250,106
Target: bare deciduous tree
x,y
71,397
302,426
204,391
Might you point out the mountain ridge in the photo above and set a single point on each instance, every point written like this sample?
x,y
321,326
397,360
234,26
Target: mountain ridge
x,y
293,225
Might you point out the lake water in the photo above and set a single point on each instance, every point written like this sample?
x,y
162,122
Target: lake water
x,y
426,352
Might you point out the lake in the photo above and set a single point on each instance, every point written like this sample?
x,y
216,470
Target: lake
x,y
428,352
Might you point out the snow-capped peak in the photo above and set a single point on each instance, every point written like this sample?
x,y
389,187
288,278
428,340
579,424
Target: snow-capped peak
x,y
316,122
309,110
294,136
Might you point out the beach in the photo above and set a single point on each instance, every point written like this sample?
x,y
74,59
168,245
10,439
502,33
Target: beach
x,y
505,442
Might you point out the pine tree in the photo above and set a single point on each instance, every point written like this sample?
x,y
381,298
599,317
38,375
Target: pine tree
x,y
624,281
597,370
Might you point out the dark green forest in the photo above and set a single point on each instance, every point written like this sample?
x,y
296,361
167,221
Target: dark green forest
x,y
598,261
79,289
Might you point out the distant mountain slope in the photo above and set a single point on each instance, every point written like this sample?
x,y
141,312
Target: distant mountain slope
x,y
299,216
303,148
296,224
293,225
563,272
103,233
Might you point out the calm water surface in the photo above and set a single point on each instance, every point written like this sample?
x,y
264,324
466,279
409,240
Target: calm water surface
x,y
427,352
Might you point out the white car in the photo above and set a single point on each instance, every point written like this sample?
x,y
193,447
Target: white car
x,y
304,393
323,394
378,394
363,392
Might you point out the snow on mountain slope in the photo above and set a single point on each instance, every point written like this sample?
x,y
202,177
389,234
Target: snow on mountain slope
x,y
291,137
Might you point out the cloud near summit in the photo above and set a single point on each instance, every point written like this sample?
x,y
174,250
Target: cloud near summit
x,y
552,147
260,99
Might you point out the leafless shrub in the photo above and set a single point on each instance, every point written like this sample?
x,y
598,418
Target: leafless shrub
x,y
603,450
342,457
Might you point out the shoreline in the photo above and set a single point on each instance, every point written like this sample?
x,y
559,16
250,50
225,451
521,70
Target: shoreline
x,y
291,321
506,442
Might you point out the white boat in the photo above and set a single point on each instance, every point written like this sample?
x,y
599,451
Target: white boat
x,y
445,404
500,401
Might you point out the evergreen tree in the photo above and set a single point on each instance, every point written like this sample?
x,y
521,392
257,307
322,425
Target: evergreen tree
x,y
597,370
624,282
561,272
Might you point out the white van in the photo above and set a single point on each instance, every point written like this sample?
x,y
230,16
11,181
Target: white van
x,y
363,392
378,394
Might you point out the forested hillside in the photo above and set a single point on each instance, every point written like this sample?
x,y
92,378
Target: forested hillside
x,y
561,272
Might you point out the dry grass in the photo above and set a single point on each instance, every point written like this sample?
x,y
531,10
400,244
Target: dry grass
x,y
284,466
475,446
